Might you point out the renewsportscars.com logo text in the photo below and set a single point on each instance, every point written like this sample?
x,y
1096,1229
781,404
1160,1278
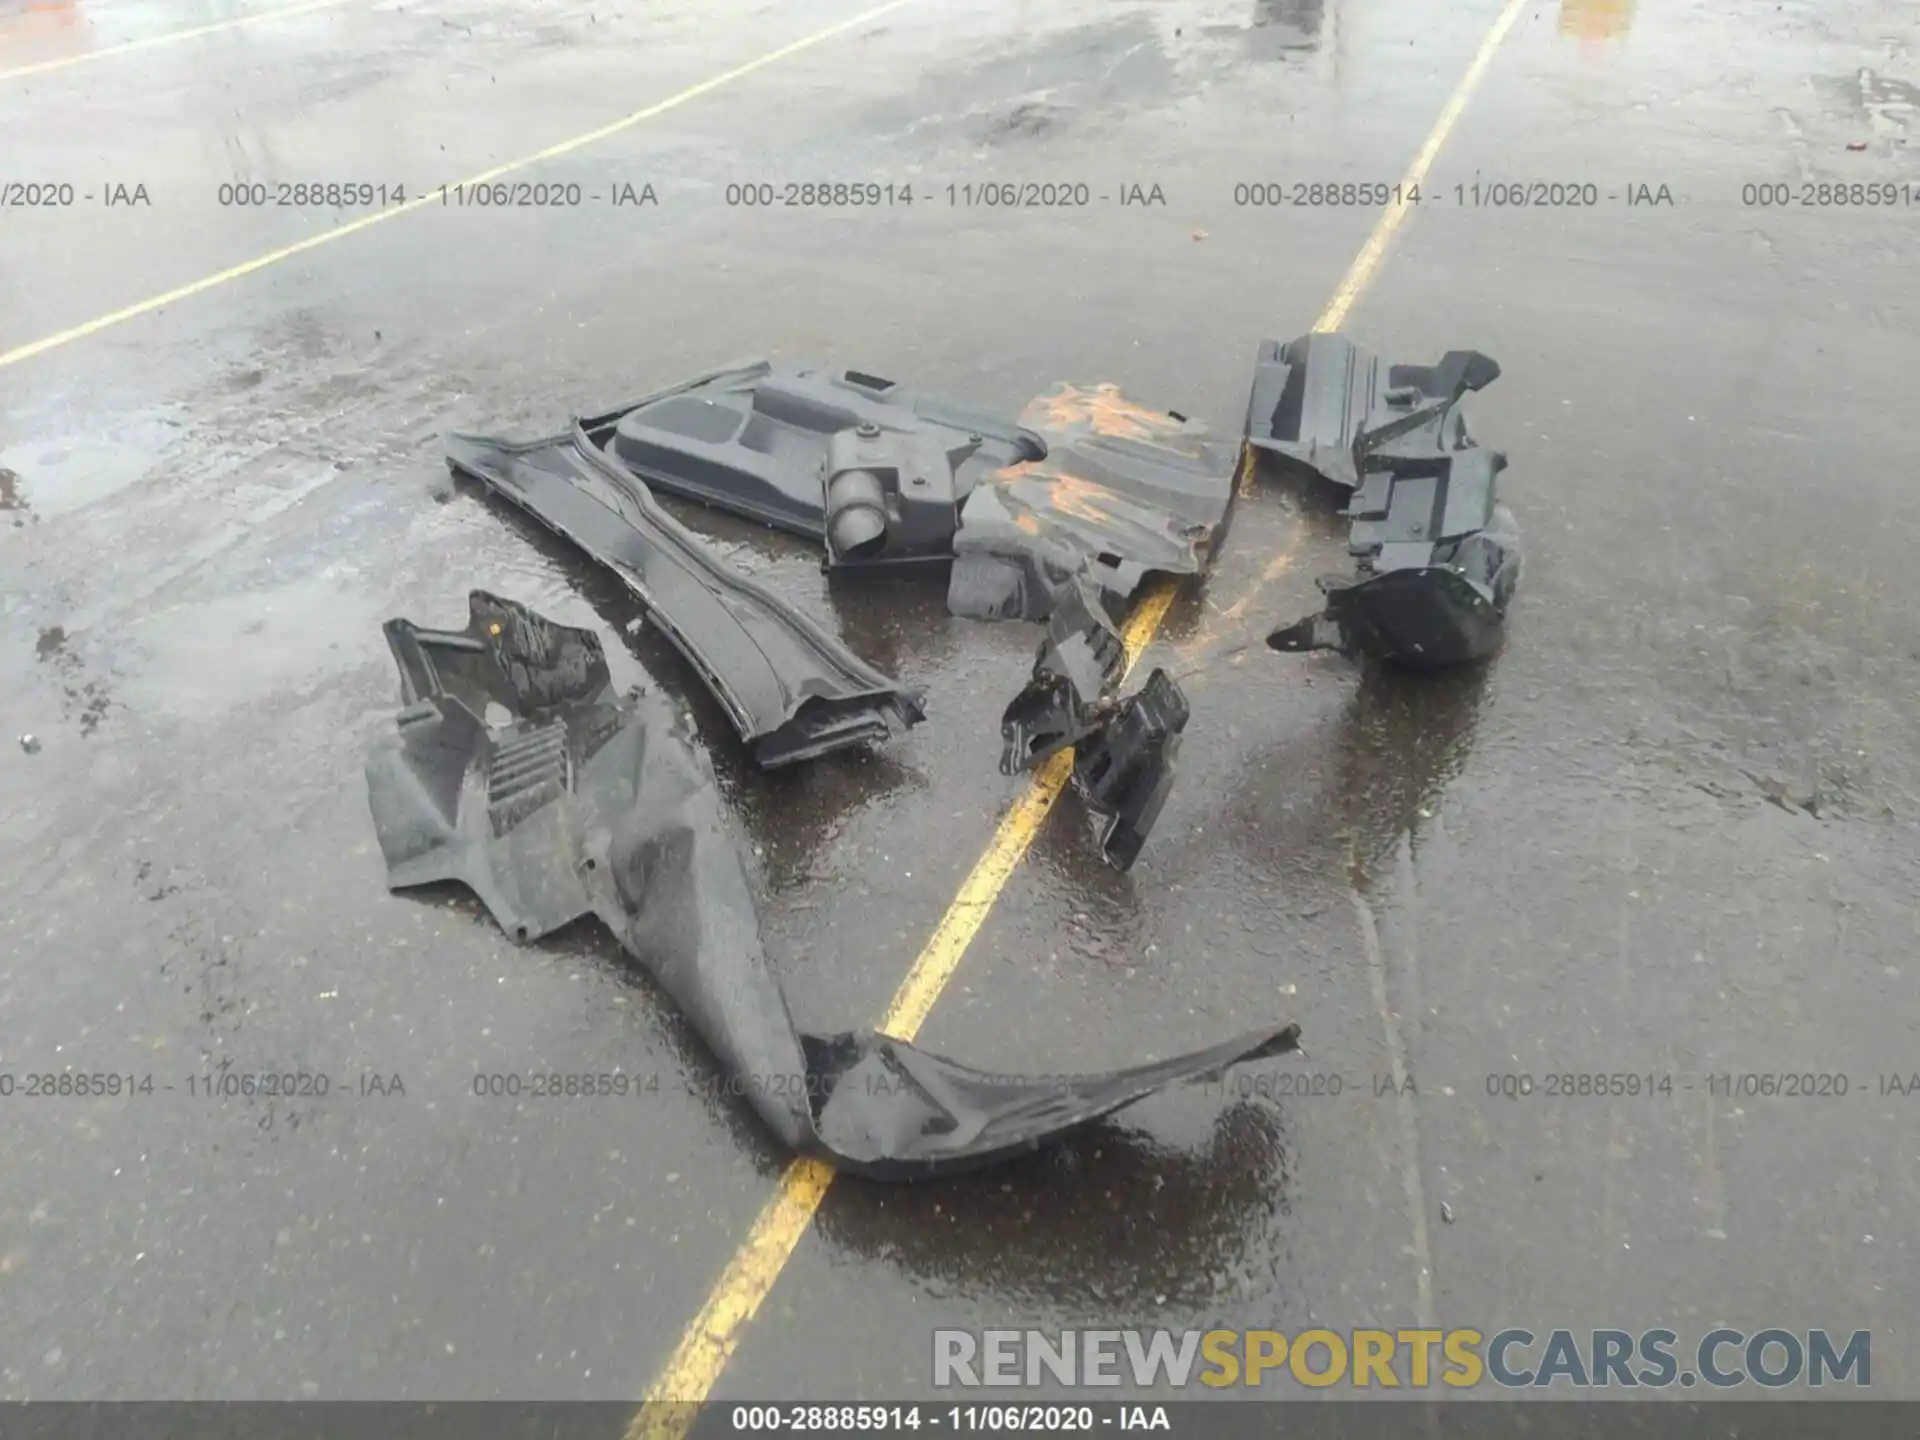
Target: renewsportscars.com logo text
x,y
1396,1359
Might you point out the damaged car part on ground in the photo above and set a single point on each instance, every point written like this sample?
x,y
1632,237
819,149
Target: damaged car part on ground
x,y
1122,492
890,480
516,769
791,690
1436,556
1124,749
1124,770
1078,667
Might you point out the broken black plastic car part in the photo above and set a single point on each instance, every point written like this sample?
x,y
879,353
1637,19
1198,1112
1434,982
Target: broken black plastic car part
x,y
1078,666
1122,492
1323,403
1085,482
1124,750
786,443
1422,616
1436,557
792,690
516,769
1125,768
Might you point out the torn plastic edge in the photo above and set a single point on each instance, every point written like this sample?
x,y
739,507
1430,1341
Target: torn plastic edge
x,y
792,691
579,803
1125,769
1077,668
1124,749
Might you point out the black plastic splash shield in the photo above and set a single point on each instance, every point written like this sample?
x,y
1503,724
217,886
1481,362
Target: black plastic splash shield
x,y
792,691
1436,557
518,771
1322,402
1122,491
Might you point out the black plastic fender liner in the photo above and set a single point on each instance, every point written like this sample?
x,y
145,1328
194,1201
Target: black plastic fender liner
x,y
510,730
518,771
792,690
939,1117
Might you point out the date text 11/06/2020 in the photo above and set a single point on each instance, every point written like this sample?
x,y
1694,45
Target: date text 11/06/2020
x,y
1579,1085
482,195
1721,1084
217,1084
1039,1419
971,194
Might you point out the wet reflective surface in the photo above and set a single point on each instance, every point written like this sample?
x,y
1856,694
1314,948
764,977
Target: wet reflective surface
x,y
1669,829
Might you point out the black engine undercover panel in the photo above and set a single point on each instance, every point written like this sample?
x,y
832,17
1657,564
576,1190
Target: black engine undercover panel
x,y
517,770
1122,492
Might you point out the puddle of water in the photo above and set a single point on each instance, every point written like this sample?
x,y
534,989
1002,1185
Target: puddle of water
x,y
1281,25
69,472
1889,104
203,659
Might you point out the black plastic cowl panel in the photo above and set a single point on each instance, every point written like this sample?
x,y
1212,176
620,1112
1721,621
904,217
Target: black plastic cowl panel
x,y
764,439
792,690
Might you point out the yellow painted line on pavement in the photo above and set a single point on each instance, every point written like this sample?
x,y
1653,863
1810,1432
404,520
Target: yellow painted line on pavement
x,y
380,217
172,37
710,1339
1202,641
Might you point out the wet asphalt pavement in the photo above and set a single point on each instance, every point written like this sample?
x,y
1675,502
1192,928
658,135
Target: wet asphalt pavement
x,y
1669,831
